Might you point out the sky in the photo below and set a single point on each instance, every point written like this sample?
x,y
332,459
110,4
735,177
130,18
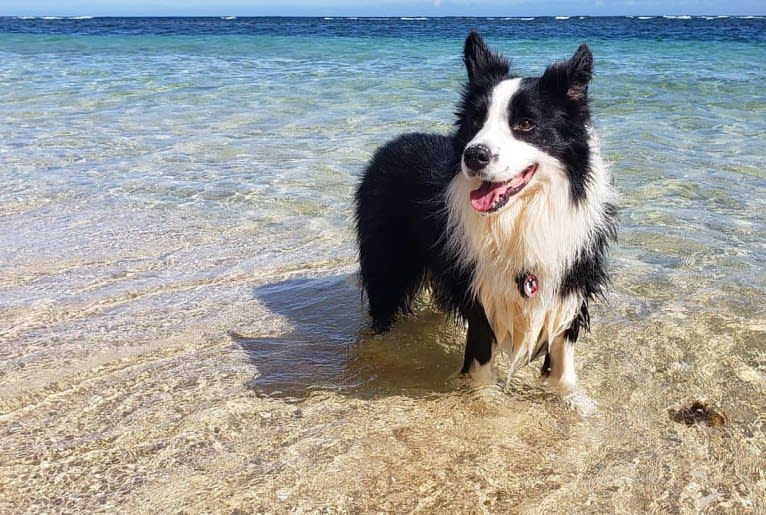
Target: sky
x,y
378,7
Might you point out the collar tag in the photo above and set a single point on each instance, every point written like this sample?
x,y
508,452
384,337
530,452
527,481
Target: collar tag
x,y
529,286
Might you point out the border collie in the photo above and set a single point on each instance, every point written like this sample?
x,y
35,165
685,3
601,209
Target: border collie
x,y
507,221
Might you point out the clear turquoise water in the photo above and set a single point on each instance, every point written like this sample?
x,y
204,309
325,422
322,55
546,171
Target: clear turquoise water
x,y
179,323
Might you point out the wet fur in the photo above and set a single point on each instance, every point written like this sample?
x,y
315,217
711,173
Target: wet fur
x,y
417,229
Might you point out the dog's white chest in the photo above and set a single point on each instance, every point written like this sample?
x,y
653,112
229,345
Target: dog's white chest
x,y
522,323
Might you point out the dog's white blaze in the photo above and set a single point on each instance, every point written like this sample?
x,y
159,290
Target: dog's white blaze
x,y
538,231
509,155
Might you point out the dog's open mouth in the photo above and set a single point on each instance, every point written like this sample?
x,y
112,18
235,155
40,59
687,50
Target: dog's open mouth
x,y
491,196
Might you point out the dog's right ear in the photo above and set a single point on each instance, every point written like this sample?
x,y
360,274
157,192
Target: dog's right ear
x,y
480,61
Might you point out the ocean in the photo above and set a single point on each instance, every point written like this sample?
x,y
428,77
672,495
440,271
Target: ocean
x,y
181,328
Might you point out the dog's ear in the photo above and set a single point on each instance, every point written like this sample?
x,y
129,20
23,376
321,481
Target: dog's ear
x,y
580,68
571,78
480,61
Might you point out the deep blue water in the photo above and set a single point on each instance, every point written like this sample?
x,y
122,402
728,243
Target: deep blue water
x,y
657,28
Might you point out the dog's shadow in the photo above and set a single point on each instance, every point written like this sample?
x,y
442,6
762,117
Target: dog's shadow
x,y
328,345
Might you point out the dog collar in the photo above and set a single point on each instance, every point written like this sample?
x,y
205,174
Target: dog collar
x,y
527,283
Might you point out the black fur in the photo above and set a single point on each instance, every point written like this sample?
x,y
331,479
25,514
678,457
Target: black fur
x,y
557,104
401,215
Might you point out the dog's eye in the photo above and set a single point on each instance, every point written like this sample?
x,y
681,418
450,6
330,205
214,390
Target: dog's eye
x,y
524,125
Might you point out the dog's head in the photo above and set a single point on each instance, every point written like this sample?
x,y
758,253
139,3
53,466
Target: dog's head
x,y
514,132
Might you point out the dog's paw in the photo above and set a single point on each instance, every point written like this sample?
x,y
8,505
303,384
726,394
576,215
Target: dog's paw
x,y
482,375
580,403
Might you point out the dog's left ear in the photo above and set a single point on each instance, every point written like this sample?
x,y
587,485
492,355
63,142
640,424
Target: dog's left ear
x,y
571,77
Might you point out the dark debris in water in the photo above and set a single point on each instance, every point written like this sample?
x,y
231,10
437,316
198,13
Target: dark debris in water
x,y
698,412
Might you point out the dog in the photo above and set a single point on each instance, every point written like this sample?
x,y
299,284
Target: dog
x,y
508,221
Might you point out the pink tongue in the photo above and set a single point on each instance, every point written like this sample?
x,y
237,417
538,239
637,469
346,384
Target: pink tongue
x,y
483,197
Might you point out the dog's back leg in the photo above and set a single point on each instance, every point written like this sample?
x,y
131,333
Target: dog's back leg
x,y
391,277
398,205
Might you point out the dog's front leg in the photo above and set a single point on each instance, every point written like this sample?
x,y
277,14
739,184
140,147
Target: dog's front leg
x,y
479,347
563,377
561,365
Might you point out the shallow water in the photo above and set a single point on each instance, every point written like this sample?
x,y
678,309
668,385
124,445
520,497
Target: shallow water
x,y
180,324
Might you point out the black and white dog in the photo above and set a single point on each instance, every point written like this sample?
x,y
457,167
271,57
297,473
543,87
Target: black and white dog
x,y
507,221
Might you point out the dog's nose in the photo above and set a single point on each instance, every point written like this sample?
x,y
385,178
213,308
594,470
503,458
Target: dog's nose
x,y
477,157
